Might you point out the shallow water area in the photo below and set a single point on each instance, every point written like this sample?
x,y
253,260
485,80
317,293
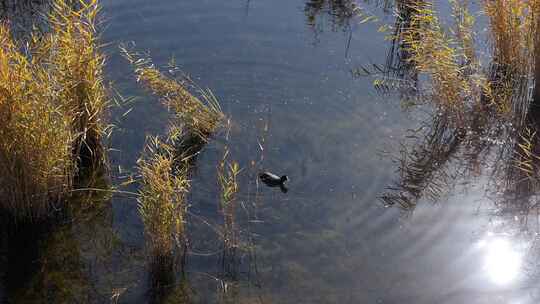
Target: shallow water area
x,y
282,71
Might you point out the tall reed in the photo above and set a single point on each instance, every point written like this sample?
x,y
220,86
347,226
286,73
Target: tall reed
x,y
476,103
512,30
514,71
52,108
36,164
228,180
227,173
440,55
162,208
77,63
451,87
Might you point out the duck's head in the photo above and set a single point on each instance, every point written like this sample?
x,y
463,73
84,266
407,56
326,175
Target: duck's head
x,y
284,178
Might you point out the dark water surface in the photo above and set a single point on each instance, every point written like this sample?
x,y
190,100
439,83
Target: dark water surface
x,y
282,72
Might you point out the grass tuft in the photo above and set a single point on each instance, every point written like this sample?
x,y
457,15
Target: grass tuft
x,y
227,173
228,180
162,205
199,116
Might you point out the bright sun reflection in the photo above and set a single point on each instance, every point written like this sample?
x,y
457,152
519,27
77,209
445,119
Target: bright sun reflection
x,y
502,263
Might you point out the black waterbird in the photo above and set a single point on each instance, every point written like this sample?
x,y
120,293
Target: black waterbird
x,y
273,180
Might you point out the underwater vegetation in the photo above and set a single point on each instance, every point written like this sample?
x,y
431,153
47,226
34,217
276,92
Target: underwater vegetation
x,y
53,106
341,15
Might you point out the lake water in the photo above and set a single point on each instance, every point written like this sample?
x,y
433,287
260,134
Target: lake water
x,y
282,72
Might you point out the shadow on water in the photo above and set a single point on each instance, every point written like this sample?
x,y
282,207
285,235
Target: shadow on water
x,y
24,11
63,258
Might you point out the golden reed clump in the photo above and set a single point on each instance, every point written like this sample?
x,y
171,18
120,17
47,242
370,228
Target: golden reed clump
x,y
472,102
166,166
36,163
447,56
442,56
52,105
162,203
77,65
513,31
198,117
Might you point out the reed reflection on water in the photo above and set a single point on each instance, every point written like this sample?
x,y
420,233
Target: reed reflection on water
x,y
340,12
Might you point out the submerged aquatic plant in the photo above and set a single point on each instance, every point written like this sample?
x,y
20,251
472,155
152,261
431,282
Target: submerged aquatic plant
x,y
52,103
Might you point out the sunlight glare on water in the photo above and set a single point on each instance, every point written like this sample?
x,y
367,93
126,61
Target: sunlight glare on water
x,y
502,263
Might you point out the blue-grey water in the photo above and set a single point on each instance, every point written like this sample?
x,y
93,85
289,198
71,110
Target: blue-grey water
x,y
281,70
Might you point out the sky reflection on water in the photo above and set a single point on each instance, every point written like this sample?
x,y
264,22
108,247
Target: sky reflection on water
x,y
502,262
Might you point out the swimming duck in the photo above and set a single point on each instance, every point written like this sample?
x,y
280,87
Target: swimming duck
x,y
273,180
